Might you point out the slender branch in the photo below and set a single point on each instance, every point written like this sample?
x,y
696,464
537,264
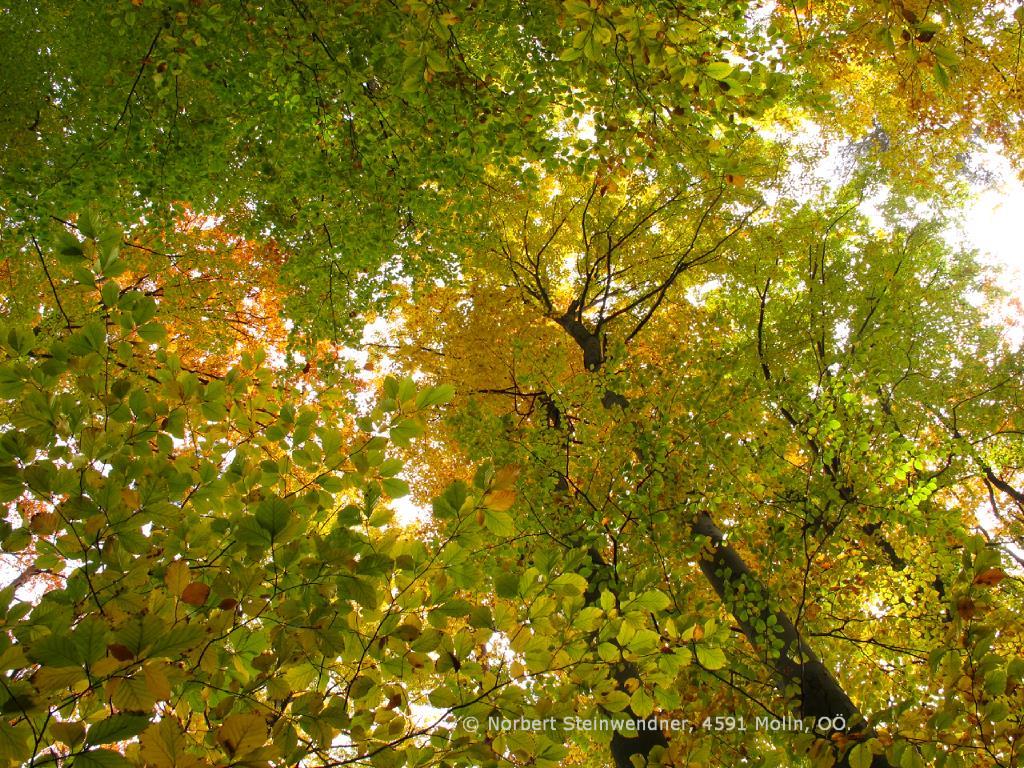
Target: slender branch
x,y
53,288
138,77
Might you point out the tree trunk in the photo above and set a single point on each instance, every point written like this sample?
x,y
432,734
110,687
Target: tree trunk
x,y
795,666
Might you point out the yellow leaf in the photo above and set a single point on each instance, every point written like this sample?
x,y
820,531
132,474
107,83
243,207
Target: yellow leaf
x,y
242,734
70,733
105,666
500,501
163,746
505,478
13,658
15,742
94,524
156,681
44,523
131,694
56,678
177,577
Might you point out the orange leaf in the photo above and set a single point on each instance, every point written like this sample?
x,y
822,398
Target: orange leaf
x,y
44,523
966,608
120,652
990,577
195,593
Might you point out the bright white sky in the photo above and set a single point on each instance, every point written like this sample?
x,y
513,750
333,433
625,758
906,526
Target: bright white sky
x,y
994,223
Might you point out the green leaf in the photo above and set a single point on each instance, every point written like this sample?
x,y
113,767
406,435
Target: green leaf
x,y
390,467
449,504
641,703
719,70
71,732
360,591
395,487
15,742
154,333
710,657
438,395
499,523
437,62
360,687
90,639
20,340
381,516
50,679
995,682
589,619
110,293
649,601
273,515
569,585
860,756
616,701
644,642
54,651
116,728
89,223
69,248
134,694
997,710
403,433
94,336
141,633
945,56
332,483
100,758
406,390
506,585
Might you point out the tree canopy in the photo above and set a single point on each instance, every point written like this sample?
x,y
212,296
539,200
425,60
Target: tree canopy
x,y
544,383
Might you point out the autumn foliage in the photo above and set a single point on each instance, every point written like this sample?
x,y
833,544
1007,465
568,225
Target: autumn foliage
x,y
377,376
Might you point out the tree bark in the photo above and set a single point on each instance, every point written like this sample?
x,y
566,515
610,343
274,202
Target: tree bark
x,y
589,341
795,665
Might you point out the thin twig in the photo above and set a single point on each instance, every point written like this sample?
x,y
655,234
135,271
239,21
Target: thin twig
x,y
138,77
39,251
